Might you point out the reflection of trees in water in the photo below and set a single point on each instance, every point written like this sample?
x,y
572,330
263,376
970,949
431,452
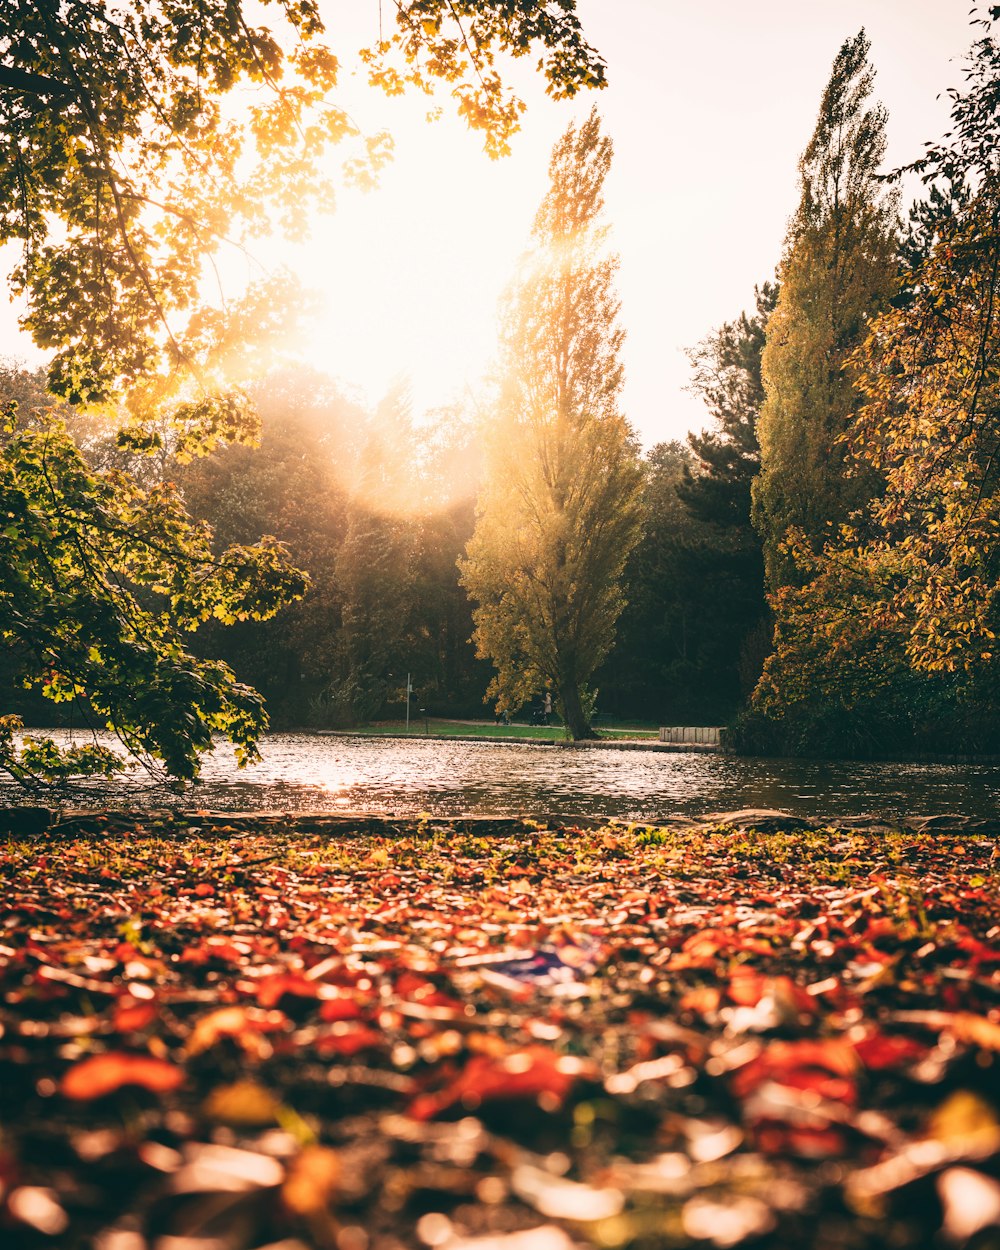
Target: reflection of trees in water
x,y
303,772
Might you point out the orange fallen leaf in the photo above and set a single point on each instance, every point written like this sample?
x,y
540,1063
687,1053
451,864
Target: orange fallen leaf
x,y
827,1067
104,1074
243,1104
312,1181
243,1024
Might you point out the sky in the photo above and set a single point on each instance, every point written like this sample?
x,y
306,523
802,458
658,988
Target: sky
x,y
709,107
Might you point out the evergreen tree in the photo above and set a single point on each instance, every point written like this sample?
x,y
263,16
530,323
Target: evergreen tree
x,y
727,376
838,269
560,508
716,490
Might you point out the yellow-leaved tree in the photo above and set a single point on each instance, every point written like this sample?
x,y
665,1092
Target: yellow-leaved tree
x,y
895,624
560,509
838,269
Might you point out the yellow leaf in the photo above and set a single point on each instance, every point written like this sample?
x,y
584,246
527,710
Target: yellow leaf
x,y
244,1104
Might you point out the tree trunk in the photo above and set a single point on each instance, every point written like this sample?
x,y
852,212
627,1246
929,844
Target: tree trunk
x,y
573,713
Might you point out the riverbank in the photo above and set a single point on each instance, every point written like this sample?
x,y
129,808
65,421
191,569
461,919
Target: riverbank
x,y
255,1031
515,739
494,731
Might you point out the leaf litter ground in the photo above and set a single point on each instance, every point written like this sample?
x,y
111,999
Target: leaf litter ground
x,y
648,1037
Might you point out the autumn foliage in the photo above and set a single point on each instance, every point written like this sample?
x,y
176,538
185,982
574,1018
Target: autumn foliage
x,y
565,1036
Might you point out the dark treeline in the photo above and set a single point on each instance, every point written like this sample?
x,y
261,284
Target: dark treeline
x,y
378,517
378,507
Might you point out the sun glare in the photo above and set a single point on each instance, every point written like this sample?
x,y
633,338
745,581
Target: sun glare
x,y
408,277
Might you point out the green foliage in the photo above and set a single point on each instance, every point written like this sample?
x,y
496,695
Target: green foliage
x,y
694,632
728,378
560,510
136,140
838,270
377,511
40,762
106,582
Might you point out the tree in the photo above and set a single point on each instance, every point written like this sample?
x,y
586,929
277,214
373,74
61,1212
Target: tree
x,y
838,270
296,484
663,665
930,372
375,565
127,163
893,634
717,492
108,580
116,122
377,511
560,509
728,378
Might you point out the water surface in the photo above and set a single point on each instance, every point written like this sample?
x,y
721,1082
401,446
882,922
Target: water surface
x,y
303,772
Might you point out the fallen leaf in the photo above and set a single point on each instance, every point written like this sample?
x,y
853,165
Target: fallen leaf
x,y
104,1074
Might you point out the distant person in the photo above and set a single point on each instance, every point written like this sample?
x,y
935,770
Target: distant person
x,y
547,707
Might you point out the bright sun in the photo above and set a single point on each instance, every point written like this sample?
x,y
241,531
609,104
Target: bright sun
x,y
409,276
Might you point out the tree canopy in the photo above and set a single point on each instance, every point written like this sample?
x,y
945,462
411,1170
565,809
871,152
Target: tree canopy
x,y
891,635
138,138
103,581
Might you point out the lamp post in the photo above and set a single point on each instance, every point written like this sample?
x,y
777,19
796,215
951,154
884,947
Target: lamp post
x,y
409,692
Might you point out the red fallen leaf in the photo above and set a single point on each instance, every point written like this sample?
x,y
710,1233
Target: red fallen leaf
x,y
880,1051
826,1067
533,1072
701,949
771,1137
213,948
103,1074
419,991
881,927
131,1014
340,1009
204,890
194,956
978,952
272,989
409,984
349,1041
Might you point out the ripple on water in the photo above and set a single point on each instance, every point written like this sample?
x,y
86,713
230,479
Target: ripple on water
x,y
301,772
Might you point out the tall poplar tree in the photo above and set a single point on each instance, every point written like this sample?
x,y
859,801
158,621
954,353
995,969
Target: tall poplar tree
x,y
559,512
838,270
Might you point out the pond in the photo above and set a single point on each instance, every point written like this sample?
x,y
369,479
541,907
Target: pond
x,y
303,772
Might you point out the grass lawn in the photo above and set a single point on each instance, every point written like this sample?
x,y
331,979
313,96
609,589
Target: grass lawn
x,y
536,1040
488,729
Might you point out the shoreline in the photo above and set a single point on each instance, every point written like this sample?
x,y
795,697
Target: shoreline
x,y
42,821
606,744
979,759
